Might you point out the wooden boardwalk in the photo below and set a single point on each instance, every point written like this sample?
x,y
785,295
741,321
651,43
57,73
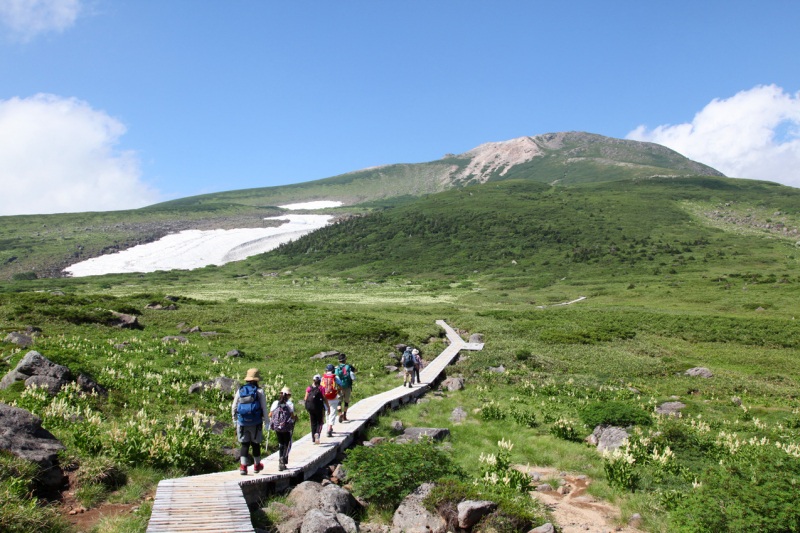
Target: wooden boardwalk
x,y
219,502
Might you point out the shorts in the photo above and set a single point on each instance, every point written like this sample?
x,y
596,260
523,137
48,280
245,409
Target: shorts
x,y
247,434
344,394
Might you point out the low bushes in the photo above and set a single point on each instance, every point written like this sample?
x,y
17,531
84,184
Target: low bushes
x,y
614,414
387,473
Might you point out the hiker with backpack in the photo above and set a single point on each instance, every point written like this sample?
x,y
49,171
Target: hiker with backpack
x,y
346,375
407,360
249,410
282,419
316,403
417,365
330,389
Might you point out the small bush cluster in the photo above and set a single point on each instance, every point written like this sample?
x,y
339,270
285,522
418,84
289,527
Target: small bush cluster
x,y
387,473
614,414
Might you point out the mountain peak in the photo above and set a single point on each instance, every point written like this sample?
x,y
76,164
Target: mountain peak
x,y
496,159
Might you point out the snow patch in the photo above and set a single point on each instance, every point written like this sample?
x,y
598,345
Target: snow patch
x,y
196,248
320,204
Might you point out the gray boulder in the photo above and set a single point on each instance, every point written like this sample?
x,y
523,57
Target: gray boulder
x,y
20,339
670,408
87,384
470,512
544,528
331,498
453,384
21,433
497,369
125,321
412,516
325,355
476,338
317,521
175,338
416,434
607,437
458,415
700,372
226,385
36,369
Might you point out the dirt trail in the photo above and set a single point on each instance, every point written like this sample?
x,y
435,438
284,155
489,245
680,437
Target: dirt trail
x,y
577,511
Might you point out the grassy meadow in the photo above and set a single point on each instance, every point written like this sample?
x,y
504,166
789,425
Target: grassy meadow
x,y
623,346
676,274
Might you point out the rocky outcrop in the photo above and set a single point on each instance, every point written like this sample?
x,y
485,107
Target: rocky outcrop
x,y
412,516
332,498
700,372
670,408
453,384
316,508
470,512
20,339
36,369
226,385
416,434
21,433
607,437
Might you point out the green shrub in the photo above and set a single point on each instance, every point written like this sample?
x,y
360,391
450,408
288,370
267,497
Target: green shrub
x,y
614,414
565,429
524,417
387,473
19,512
492,411
754,489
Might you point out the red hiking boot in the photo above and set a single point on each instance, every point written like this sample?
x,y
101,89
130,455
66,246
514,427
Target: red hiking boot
x,y
243,470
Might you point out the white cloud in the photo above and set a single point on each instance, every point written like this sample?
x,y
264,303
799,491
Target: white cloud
x,y
28,18
753,134
58,155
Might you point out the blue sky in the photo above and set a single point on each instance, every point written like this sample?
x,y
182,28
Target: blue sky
x,y
106,104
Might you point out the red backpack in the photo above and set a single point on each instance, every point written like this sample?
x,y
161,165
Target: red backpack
x,y
329,385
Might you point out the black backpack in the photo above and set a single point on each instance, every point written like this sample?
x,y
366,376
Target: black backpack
x,y
314,401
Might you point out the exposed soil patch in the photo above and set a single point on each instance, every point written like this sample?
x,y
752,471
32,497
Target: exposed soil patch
x,y
575,510
84,521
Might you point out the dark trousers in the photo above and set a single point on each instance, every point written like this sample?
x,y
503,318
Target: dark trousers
x,y
415,375
256,449
317,419
284,444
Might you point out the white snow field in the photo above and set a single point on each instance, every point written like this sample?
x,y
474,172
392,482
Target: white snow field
x,y
320,204
195,248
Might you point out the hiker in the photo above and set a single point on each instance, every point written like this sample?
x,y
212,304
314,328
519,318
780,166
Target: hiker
x,y
316,403
330,389
282,418
417,365
249,410
407,360
346,375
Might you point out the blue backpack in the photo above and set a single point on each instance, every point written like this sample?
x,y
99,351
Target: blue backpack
x,y
345,374
249,410
408,359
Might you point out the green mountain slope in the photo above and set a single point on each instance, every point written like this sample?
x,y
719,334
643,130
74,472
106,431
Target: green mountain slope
x,y
563,158
518,228
42,246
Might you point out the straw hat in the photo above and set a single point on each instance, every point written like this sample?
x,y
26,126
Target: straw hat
x,y
286,390
253,375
